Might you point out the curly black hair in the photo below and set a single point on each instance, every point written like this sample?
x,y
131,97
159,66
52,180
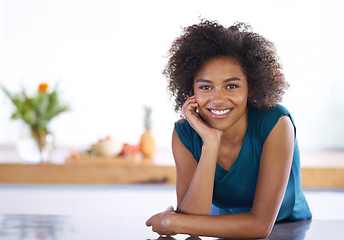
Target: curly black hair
x,y
208,40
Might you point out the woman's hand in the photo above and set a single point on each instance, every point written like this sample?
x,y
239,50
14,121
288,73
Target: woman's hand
x,y
162,223
206,132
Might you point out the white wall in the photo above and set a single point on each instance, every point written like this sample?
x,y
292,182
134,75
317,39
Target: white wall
x,y
121,200
108,57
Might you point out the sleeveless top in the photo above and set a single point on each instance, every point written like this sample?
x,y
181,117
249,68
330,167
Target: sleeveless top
x,y
234,190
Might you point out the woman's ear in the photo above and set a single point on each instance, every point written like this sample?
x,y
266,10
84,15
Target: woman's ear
x,y
192,92
249,92
250,97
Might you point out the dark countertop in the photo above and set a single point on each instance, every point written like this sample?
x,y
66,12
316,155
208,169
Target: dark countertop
x,y
57,227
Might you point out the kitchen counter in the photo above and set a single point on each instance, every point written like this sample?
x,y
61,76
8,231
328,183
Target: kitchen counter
x,y
132,173
116,171
121,170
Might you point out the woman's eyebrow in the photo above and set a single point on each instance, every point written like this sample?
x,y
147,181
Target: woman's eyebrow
x,y
227,80
233,79
203,81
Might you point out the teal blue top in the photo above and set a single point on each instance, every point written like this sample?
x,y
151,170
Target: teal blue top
x,y
234,189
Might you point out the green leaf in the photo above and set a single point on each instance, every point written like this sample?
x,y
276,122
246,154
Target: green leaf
x,y
38,110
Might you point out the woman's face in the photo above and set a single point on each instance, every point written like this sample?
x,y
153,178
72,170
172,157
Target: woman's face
x,y
221,92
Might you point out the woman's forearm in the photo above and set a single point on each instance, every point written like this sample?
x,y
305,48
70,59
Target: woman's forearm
x,y
241,225
198,198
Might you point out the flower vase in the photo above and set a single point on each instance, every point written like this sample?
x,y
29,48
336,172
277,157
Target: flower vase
x,y
45,143
35,146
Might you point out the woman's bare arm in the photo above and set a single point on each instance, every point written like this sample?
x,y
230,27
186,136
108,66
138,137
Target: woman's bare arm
x,y
194,181
273,177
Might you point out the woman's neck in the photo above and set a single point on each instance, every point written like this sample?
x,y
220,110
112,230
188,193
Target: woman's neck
x,y
235,135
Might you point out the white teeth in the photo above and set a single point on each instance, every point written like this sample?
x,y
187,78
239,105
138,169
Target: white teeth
x,y
220,112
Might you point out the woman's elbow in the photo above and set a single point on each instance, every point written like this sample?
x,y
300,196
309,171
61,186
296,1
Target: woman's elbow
x,y
264,233
256,231
263,229
261,225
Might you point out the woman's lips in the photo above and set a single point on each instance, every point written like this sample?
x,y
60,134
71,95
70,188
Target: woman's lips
x,y
220,113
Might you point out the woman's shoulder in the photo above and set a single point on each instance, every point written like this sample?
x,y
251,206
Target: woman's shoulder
x,y
267,116
263,121
276,111
189,137
181,125
183,129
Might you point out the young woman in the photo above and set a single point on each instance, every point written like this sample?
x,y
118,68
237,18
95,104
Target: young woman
x,y
236,153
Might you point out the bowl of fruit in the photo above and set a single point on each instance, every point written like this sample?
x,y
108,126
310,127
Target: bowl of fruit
x,y
107,147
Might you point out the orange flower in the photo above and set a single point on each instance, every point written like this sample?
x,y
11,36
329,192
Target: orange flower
x,y
43,87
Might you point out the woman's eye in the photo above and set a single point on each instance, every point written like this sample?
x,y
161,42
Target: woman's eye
x,y
205,87
231,86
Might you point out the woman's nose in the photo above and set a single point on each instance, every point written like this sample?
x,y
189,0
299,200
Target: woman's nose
x,y
218,96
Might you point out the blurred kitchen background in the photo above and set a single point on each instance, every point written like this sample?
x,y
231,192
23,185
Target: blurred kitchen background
x,y
108,57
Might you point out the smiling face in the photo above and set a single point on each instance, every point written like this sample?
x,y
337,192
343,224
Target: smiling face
x,y
221,91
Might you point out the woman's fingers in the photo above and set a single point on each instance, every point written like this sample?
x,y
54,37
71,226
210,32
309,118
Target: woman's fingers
x,y
189,111
160,222
188,101
189,107
169,209
149,222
